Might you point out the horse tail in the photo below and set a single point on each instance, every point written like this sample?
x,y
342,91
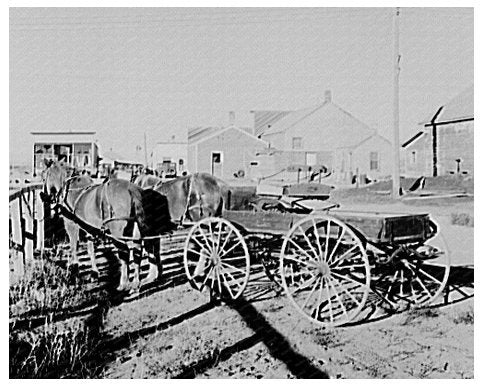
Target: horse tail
x,y
137,207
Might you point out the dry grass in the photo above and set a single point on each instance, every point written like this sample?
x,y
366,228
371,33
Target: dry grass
x,y
56,348
464,219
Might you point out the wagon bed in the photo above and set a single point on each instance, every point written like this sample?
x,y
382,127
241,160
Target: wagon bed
x,y
376,227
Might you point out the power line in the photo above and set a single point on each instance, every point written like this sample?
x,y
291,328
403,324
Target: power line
x,y
192,22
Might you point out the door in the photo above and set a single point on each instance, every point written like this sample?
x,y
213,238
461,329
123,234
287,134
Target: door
x,y
311,159
217,163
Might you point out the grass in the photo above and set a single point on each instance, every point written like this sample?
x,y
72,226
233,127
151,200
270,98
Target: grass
x,y
464,219
466,317
55,349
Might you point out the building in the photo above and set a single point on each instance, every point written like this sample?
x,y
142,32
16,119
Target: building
x,y
326,136
76,148
444,143
171,157
223,151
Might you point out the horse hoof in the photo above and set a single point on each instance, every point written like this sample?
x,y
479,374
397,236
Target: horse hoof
x,y
121,288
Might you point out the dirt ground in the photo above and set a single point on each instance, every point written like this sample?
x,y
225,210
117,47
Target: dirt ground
x,y
177,333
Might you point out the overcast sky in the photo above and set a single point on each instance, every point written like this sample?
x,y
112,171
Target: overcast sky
x,y
126,71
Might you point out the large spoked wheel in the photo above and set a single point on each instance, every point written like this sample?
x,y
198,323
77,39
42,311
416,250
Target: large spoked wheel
x,y
216,257
416,275
325,270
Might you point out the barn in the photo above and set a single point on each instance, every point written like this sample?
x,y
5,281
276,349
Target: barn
x,y
444,143
223,151
327,136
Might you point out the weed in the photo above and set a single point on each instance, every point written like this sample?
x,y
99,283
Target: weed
x,y
420,313
463,219
466,317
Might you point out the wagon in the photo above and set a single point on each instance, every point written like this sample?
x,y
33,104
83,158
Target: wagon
x,y
327,262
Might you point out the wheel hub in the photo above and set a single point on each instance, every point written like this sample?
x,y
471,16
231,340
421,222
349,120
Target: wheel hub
x,y
323,269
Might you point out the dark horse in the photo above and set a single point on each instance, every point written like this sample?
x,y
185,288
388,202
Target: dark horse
x,y
194,196
115,206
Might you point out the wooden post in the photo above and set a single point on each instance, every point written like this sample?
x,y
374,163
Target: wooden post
x,y
396,146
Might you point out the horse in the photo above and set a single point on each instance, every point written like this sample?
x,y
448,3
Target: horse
x,y
194,196
117,207
147,181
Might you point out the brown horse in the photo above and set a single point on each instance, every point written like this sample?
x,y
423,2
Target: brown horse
x,y
194,196
147,181
115,206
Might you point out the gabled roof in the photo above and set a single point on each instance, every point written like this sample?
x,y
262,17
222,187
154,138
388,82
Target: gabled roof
x,y
198,135
264,119
460,108
329,125
412,139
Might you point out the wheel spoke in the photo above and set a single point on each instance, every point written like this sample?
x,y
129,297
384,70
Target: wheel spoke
x,y
305,285
229,266
330,305
310,294
218,279
346,291
338,298
309,243
300,249
223,253
295,260
329,259
327,241
419,269
227,286
207,276
342,257
316,235
201,245
348,279
226,240
200,230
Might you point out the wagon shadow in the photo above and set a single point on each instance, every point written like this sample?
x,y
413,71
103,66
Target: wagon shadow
x,y
278,347
460,287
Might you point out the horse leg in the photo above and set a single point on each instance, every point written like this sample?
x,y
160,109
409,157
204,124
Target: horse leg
x,y
132,257
72,230
92,256
154,273
123,281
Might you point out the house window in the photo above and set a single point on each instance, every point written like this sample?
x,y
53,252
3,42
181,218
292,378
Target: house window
x,y
374,160
297,143
413,157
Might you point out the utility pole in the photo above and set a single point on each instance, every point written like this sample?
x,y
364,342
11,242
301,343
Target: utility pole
x,y
145,152
396,147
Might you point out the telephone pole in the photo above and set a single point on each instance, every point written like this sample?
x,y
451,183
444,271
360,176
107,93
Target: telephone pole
x,y
396,147
145,152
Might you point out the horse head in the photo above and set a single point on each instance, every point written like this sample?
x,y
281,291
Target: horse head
x,y
54,177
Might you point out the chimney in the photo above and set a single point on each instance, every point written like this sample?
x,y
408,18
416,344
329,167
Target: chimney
x,y
328,96
231,118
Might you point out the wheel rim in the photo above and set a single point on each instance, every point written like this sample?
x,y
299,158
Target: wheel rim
x,y
417,277
216,256
325,270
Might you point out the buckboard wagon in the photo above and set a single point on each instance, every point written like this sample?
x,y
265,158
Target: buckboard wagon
x,y
327,262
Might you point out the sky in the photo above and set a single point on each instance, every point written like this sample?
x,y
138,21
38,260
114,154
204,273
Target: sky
x,y
123,72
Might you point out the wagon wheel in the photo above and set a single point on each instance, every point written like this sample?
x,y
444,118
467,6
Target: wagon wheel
x,y
325,270
216,256
416,275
